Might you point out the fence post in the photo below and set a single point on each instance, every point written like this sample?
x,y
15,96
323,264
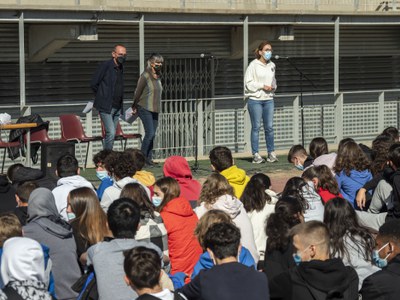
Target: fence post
x,y
89,132
200,128
381,111
338,117
296,121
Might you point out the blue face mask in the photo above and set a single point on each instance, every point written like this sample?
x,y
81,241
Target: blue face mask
x,y
297,259
71,216
267,55
156,201
377,260
102,174
299,167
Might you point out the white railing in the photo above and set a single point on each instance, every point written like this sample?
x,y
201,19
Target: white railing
x,y
361,115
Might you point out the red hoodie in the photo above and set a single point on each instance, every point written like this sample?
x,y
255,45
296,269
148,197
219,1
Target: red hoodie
x,y
180,222
177,167
326,195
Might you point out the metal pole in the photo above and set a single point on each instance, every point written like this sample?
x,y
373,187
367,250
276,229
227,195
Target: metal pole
x,y
247,127
141,44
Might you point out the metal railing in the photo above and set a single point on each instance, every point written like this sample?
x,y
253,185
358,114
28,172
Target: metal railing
x,y
361,115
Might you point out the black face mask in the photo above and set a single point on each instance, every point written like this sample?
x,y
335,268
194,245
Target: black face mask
x,y
157,69
121,60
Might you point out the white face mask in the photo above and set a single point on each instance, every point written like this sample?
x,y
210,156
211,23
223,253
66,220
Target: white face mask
x,y
71,216
156,201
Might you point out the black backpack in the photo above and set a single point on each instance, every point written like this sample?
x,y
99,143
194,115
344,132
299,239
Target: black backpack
x,y
86,286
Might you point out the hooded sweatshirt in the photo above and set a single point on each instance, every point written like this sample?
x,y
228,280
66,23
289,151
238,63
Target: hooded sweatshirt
x,y
22,268
316,279
7,195
64,186
24,174
144,177
46,226
235,209
349,185
237,178
180,222
113,192
178,168
257,75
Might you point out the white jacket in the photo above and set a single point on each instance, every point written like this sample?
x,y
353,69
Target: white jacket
x,y
113,192
64,186
257,75
259,219
233,207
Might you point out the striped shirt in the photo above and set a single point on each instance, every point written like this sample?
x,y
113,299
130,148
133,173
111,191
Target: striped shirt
x,y
148,92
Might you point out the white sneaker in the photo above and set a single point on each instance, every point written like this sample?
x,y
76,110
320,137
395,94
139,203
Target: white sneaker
x,y
257,159
272,157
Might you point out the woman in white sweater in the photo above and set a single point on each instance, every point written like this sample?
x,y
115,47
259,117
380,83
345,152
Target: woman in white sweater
x,y
218,194
260,85
259,202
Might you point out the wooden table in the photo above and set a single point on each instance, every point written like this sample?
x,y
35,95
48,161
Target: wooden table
x,y
28,136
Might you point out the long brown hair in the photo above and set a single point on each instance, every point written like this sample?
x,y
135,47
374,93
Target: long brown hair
x,y
214,187
326,180
137,193
351,157
92,219
170,188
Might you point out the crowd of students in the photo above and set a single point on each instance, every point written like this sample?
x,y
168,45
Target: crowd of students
x,y
332,233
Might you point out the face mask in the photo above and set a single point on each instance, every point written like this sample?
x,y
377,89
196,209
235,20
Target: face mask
x,y
267,55
297,256
102,174
299,167
156,201
71,216
377,260
121,60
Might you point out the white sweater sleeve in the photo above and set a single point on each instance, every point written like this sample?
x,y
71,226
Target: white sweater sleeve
x,y
250,80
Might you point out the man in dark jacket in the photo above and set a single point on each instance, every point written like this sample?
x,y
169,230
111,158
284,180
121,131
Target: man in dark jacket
x,y
385,284
108,87
316,276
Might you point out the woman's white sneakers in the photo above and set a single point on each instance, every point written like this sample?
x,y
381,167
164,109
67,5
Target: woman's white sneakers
x,y
257,159
272,157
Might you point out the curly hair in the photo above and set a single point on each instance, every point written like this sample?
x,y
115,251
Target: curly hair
x,y
120,165
214,187
351,157
341,219
293,188
380,152
279,223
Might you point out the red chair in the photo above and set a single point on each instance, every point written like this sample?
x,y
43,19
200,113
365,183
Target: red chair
x,y
5,146
41,136
72,131
120,135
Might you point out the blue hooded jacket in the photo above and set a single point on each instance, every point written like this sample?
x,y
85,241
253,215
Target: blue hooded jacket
x,y
349,185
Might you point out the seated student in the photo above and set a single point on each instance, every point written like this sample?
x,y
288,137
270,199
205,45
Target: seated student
x,y
392,132
107,258
144,177
101,172
316,276
385,284
68,171
46,226
218,194
143,273
22,195
152,228
23,271
228,279
299,158
222,162
178,168
7,195
205,262
180,222
11,227
319,152
122,168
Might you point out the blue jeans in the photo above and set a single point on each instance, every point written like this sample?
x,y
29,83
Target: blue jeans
x,y
261,110
150,123
110,122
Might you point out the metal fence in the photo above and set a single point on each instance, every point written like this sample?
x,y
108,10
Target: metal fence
x,y
361,115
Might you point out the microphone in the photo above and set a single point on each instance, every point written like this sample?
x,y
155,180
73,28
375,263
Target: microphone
x,y
280,57
206,55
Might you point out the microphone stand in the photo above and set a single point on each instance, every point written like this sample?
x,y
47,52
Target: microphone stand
x,y
302,75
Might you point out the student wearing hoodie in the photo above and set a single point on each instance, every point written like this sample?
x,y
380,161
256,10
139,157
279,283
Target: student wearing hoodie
x,y
180,222
122,168
144,177
22,269
178,168
218,194
222,162
352,171
68,171
316,276
46,226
